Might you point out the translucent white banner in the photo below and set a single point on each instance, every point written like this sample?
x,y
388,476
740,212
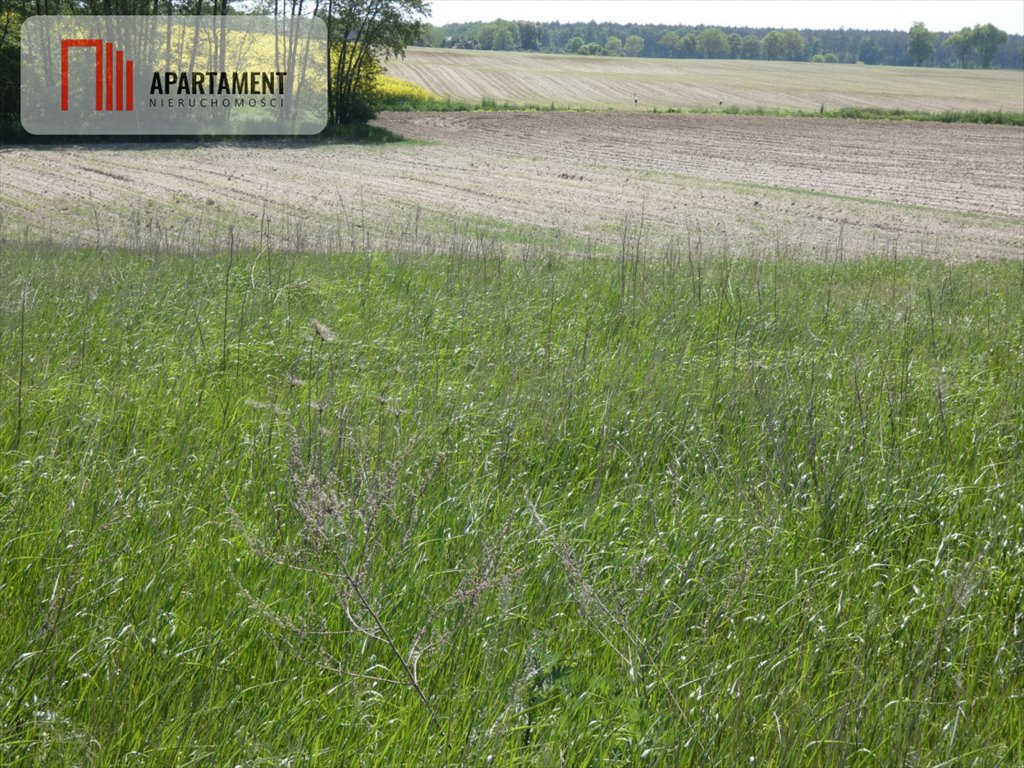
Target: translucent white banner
x,y
173,75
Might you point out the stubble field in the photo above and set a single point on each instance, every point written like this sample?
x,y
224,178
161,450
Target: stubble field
x,y
598,82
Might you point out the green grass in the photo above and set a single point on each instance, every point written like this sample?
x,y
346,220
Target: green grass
x,y
993,117
437,104
692,511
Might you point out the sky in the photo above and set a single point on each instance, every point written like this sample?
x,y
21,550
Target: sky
x,y
938,15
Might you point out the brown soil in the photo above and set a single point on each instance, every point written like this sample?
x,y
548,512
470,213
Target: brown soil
x,y
746,183
954,166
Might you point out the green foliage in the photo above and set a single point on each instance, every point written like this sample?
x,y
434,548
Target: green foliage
x,y
987,40
681,508
634,45
575,45
996,117
962,43
500,35
688,45
772,46
949,116
793,45
531,35
786,45
751,46
431,36
735,45
613,47
669,43
921,43
981,40
10,67
713,44
890,47
984,41
362,35
869,51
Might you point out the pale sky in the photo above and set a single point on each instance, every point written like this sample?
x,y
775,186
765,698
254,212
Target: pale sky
x,y
938,15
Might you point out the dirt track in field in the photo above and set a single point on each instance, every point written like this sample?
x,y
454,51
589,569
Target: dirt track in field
x,y
948,191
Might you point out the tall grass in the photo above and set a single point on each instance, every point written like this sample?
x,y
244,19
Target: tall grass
x,y
404,98
984,117
451,507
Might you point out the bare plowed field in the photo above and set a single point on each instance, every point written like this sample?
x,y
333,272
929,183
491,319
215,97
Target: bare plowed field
x,y
950,191
958,167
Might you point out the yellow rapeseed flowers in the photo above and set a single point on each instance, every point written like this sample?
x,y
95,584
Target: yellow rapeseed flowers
x,y
391,90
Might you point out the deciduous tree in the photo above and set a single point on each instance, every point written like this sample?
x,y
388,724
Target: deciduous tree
x,y
713,43
751,46
531,35
786,45
987,39
669,43
962,43
634,45
499,35
772,46
921,45
362,35
735,45
793,45
688,45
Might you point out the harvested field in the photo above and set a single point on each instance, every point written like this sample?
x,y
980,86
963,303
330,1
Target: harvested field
x,y
612,82
951,191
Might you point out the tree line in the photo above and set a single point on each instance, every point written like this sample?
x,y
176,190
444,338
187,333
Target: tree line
x,y
361,35
982,46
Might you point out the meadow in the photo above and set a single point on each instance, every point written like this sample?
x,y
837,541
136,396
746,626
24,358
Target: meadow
x,y
262,508
487,447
